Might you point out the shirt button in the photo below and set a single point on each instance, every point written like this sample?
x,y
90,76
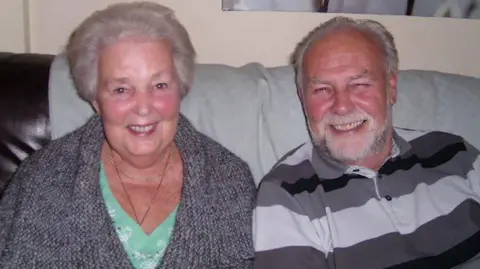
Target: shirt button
x,y
388,197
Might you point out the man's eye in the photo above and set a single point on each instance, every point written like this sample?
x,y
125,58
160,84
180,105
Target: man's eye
x,y
161,86
119,90
320,90
362,85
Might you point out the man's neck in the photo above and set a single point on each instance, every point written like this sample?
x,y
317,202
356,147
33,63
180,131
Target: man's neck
x,y
376,161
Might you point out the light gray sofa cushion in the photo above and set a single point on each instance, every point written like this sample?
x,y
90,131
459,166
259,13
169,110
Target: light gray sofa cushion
x,y
426,101
255,112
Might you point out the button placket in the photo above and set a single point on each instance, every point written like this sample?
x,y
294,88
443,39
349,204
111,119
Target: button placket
x,y
381,186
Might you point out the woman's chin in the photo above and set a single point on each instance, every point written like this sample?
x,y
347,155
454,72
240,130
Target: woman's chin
x,y
143,148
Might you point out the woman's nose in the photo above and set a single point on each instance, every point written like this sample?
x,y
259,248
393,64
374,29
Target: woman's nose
x,y
143,102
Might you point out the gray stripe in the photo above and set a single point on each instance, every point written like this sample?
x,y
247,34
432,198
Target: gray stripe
x,y
326,167
426,145
430,239
293,257
290,173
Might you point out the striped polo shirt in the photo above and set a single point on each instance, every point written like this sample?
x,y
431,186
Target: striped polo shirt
x,y
420,210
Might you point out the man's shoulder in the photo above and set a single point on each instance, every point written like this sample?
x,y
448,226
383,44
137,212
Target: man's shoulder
x,y
292,166
440,147
433,140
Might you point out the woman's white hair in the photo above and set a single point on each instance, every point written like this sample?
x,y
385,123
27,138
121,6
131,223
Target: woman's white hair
x,y
144,20
371,28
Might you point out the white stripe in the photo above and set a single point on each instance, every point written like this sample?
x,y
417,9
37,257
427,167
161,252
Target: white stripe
x,y
278,227
409,135
300,155
403,214
474,176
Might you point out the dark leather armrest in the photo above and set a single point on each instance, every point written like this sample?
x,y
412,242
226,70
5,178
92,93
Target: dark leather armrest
x,y
24,109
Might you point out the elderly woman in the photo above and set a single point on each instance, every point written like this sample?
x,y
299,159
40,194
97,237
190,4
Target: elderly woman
x,y
137,186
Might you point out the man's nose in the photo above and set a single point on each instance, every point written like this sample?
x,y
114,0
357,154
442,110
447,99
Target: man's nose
x,y
342,104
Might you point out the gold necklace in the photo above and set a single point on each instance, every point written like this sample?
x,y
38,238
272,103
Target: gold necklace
x,y
152,201
151,178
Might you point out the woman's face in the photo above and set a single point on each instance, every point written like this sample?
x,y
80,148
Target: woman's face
x,y
138,97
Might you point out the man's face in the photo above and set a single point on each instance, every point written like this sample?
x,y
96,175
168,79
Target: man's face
x,y
348,95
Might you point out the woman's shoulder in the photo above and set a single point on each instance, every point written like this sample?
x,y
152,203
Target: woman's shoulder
x,y
61,150
220,165
221,159
55,150
194,141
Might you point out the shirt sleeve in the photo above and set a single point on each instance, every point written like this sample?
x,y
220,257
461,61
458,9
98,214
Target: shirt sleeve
x,y
284,236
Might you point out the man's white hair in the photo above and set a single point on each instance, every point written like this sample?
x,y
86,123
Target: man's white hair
x,y
370,28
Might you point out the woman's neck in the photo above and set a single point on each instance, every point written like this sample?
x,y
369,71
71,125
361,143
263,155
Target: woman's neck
x,y
139,168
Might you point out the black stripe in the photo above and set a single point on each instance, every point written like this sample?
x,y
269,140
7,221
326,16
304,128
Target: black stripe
x,y
440,157
310,184
406,162
457,255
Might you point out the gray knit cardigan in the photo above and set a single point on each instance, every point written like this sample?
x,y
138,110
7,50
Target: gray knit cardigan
x,y
53,214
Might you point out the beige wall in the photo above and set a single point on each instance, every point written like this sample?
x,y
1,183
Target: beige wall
x,y
450,45
12,26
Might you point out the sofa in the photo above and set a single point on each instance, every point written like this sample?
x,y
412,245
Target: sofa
x,y
24,110
252,110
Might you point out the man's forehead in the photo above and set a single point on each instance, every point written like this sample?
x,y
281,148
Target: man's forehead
x,y
338,59
349,63
342,46
322,77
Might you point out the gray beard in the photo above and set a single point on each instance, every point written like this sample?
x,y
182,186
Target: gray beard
x,y
376,147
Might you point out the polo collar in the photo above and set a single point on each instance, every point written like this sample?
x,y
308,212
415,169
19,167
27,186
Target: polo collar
x,y
328,168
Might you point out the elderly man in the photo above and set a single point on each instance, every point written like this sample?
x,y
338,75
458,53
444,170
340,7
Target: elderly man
x,y
358,195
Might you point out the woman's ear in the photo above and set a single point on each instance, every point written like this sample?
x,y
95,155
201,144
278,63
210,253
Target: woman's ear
x,y
95,106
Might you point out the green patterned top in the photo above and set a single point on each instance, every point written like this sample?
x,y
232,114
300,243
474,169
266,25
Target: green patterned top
x,y
144,251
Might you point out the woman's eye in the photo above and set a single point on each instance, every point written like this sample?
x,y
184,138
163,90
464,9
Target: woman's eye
x,y
161,86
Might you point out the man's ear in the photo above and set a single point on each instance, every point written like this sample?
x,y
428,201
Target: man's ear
x,y
300,93
393,83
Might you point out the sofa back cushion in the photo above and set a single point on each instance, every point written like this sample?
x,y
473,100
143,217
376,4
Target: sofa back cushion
x,y
255,111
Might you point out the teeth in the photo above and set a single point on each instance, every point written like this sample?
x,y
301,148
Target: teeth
x,y
348,126
141,129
